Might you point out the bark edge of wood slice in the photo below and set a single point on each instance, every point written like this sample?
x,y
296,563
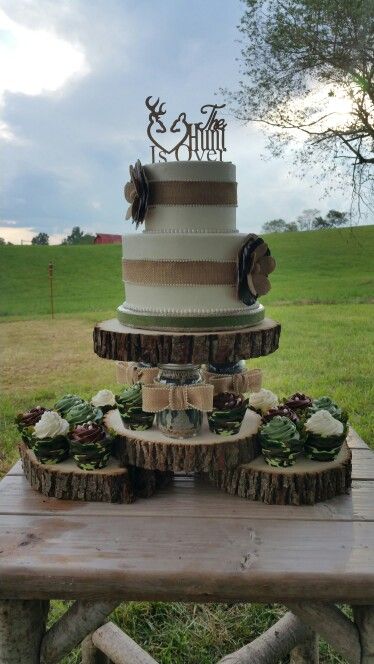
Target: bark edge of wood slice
x,y
152,450
305,483
114,341
66,481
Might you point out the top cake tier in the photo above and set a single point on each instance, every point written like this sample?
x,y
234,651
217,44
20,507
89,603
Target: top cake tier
x,y
191,197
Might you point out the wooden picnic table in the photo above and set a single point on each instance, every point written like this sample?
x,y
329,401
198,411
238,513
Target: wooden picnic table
x,y
192,543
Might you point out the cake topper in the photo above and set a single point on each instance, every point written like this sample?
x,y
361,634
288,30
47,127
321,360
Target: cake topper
x,y
186,140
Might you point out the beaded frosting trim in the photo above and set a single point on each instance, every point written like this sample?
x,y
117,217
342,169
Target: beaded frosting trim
x,y
182,312
187,231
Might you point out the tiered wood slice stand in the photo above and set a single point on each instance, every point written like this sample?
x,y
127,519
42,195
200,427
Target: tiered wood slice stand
x,y
305,483
152,450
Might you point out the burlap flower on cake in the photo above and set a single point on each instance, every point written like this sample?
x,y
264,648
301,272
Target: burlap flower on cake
x,y
254,265
136,193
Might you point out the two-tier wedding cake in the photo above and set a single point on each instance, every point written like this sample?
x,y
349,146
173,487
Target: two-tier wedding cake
x,y
190,269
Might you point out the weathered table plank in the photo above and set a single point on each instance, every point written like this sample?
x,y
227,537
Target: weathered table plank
x,y
188,497
194,559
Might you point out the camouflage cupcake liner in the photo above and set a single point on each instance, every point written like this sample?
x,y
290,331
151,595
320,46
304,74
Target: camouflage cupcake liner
x,y
91,456
50,451
281,454
136,419
319,448
226,422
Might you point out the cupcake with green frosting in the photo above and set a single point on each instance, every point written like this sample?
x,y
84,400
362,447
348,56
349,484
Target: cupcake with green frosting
x,y
129,404
66,402
326,403
26,422
82,413
325,436
90,446
50,442
228,413
280,442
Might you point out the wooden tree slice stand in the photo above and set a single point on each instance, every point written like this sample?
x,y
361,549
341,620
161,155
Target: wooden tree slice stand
x,y
305,483
153,450
65,480
114,341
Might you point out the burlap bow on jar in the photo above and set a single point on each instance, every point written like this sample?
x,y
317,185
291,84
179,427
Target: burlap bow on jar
x,y
177,397
129,373
246,381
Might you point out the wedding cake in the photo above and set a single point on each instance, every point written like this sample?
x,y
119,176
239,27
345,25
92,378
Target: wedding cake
x,y
190,269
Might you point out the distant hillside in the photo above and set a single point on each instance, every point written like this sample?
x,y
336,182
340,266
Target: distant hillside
x,y
330,266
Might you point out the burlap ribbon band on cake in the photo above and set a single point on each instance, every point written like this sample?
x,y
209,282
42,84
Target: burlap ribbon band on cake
x,y
188,192
130,373
179,272
177,397
247,381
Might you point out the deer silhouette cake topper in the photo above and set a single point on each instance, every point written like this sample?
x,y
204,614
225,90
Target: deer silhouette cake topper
x,y
184,140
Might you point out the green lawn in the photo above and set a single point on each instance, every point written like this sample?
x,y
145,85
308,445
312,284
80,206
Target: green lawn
x,y
321,294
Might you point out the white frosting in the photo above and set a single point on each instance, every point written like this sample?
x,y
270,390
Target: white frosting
x,y
50,425
103,398
207,218
322,423
263,400
204,246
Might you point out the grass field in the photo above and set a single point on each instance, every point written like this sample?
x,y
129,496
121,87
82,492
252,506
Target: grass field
x,y
321,293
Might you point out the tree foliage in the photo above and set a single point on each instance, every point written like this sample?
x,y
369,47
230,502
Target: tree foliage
x,y
40,238
308,220
279,226
78,237
303,63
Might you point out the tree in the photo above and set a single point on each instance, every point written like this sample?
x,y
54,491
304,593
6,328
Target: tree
x,y
275,226
306,219
78,237
333,219
40,238
308,72
2,241
292,227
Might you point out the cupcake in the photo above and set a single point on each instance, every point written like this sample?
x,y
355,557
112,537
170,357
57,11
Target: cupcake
x,y
105,400
129,404
325,403
325,436
262,401
49,442
26,421
228,413
90,446
66,402
83,412
280,442
282,411
298,402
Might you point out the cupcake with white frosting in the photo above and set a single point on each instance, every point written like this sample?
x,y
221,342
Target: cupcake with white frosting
x,y
105,400
324,436
262,401
50,442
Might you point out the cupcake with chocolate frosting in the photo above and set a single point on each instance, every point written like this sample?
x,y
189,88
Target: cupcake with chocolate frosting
x,y
325,436
280,442
90,446
129,404
228,413
26,421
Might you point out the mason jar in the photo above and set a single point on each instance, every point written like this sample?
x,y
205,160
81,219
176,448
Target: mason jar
x,y
179,423
228,368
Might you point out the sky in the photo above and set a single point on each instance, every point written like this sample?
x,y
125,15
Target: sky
x,y
74,75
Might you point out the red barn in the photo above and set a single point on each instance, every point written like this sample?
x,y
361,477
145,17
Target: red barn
x,y
107,238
